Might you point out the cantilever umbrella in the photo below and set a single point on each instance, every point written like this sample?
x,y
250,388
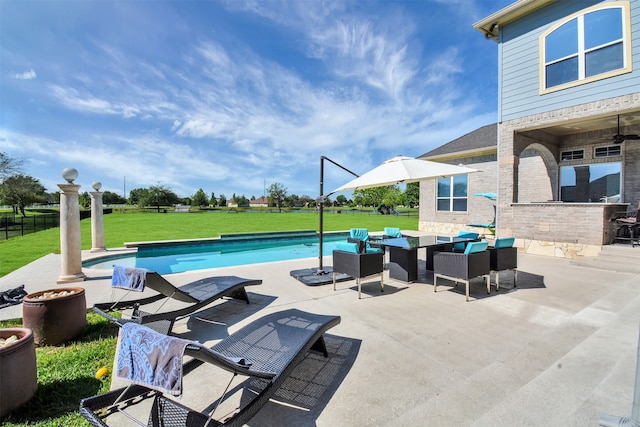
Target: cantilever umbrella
x,y
402,169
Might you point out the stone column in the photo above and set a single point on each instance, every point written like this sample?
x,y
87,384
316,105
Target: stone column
x,y
70,244
97,221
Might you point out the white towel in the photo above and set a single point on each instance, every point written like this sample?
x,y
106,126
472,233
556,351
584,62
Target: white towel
x,y
132,279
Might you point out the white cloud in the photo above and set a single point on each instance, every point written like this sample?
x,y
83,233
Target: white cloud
x,y
26,75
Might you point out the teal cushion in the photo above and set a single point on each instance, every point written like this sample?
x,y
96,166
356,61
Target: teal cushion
x,y
475,247
468,235
372,250
360,233
504,242
347,247
392,232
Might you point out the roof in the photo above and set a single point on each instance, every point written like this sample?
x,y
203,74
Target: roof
x,y
490,26
480,141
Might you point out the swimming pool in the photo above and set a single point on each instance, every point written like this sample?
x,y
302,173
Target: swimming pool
x,y
229,250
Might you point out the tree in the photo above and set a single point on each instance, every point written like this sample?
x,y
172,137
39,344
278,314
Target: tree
x,y
222,201
277,192
199,199
412,194
111,198
160,195
84,200
9,166
212,201
20,191
341,199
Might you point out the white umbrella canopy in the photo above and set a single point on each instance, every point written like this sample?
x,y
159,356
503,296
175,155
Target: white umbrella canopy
x,y
402,169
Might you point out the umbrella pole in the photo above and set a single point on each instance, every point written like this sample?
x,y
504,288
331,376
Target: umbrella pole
x,y
320,202
321,215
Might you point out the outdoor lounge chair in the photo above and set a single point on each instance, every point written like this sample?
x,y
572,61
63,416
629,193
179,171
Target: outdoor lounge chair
x,y
197,295
265,352
349,260
503,256
462,267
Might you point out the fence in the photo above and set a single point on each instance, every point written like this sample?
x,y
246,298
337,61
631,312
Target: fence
x,y
16,225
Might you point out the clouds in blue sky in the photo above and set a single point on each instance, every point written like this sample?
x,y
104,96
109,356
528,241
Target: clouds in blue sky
x,y
232,96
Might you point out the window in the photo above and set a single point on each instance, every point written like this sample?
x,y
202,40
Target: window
x,y
609,151
587,46
452,194
572,155
590,183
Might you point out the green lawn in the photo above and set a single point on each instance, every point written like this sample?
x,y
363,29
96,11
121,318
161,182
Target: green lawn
x,y
133,227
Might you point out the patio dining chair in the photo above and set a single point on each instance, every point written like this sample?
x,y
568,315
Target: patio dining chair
x,y
504,256
462,267
349,260
627,227
360,236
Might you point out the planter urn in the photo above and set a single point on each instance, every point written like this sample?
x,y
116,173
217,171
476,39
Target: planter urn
x,y
18,369
55,315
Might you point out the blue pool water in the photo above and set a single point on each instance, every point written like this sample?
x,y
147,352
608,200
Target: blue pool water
x,y
166,259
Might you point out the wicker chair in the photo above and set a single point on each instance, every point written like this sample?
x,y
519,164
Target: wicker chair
x,y
265,351
503,256
348,259
462,267
627,227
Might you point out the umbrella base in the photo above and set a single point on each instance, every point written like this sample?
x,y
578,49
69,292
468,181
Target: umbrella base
x,y
316,277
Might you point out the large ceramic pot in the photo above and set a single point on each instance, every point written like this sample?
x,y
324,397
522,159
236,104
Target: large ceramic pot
x,y
55,315
18,370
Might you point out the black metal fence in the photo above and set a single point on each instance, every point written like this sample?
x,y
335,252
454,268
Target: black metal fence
x,y
16,225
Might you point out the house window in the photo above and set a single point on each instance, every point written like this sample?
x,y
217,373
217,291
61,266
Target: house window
x,y
608,151
590,45
452,194
590,183
572,155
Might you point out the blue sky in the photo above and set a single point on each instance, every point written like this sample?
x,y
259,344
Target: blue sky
x,y
232,96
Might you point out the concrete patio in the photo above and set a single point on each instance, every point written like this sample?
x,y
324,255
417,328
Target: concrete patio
x,y
558,350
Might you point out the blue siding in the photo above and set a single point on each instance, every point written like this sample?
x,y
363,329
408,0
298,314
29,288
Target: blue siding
x,y
519,71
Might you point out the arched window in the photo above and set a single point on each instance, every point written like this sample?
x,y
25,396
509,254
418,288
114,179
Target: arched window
x,y
590,45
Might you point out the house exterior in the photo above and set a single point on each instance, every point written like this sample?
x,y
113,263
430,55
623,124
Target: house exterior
x,y
569,82
260,202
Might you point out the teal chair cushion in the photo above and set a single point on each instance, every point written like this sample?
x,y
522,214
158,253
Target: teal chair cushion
x,y
360,233
475,247
347,247
372,250
504,242
392,232
459,247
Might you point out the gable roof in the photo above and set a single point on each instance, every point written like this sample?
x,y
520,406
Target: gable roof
x,y
483,140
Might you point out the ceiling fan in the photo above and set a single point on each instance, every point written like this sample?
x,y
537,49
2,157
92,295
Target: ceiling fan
x,y
618,138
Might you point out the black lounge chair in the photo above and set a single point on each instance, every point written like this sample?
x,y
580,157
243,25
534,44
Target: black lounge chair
x,y
266,350
198,294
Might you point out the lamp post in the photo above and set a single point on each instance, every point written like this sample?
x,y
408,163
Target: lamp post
x,y
70,244
97,219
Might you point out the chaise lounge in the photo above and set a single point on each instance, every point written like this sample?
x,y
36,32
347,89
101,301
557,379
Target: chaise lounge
x,y
265,352
197,295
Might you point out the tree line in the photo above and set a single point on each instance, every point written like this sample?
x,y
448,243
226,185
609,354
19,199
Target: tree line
x,y
20,191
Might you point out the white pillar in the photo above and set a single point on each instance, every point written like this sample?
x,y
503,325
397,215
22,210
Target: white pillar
x,y
97,222
70,244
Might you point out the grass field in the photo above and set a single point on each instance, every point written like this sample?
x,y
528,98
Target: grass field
x,y
135,227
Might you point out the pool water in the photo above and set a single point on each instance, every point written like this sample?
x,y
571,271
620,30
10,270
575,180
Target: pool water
x,y
181,257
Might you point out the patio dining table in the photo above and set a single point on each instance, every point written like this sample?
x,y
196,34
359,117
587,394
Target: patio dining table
x,y
403,253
